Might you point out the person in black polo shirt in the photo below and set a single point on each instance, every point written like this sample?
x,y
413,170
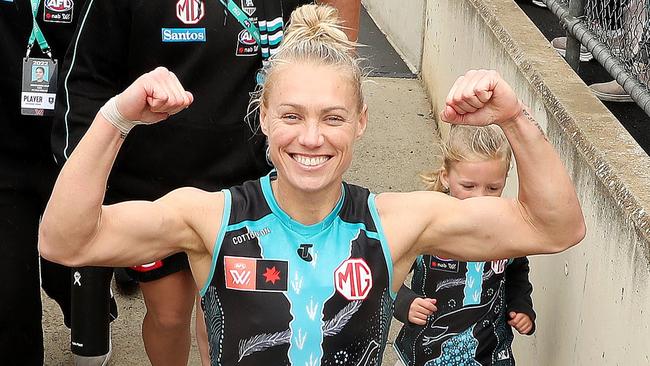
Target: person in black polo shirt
x,y
27,170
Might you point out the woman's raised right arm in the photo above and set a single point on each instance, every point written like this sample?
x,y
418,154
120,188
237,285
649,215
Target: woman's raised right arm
x,y
76,229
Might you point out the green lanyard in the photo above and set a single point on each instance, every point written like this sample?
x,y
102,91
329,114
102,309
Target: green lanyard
x,y
37,34
241,18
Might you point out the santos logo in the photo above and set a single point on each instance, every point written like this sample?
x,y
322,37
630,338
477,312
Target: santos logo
x,y
353,279
183,35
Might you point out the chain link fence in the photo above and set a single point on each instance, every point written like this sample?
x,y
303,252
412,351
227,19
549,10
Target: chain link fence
x,y
617,34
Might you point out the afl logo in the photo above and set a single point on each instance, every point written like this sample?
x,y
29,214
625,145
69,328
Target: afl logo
x,y
59,5
246,38
190,11
353,279
443,259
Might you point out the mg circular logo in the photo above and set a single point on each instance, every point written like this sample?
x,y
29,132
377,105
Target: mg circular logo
x,y
190,11
353,279
59,5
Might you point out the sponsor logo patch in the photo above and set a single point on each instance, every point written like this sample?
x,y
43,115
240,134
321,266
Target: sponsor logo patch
x,y
272,275
190,11
245,38
254,274
59,5
250,235
442,264
183,34
303,252
353,279
246,44
58,11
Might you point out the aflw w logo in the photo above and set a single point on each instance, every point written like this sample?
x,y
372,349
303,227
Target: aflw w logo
x,y
240,278
255,274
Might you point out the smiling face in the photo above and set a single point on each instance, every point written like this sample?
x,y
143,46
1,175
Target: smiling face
x,y
312,117
39,73
467,179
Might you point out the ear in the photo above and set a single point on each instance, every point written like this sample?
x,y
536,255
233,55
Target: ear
x,y
444,178
363,121
263,124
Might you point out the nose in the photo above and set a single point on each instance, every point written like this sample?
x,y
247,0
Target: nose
x,y
311,135
478,192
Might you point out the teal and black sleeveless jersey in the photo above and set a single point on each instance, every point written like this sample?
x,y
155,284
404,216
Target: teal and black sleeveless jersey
x,y
473,299
283,293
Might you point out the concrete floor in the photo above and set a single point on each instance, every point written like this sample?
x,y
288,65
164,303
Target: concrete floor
x,y
398,145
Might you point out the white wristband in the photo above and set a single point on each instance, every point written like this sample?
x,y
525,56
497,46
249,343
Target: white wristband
x,y
112,115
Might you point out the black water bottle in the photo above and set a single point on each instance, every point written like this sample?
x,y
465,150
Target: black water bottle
x,y
90,333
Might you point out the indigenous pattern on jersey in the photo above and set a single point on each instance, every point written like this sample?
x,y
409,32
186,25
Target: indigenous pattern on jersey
x,y
470,327
283,293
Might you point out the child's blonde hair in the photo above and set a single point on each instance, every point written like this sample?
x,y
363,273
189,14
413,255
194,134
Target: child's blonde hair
x,y
469,143
315,35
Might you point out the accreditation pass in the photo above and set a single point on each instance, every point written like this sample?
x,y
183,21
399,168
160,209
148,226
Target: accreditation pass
x,y
38,86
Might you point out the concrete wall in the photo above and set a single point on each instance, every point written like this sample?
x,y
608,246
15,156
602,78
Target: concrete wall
x,y
403,23
593,301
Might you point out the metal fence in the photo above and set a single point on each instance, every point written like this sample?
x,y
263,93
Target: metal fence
x,y
617,33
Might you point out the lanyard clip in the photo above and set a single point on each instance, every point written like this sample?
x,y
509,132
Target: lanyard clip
x,y
47,51
29,49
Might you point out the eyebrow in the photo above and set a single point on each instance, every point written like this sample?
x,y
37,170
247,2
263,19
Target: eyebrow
x,y
472,181
325,110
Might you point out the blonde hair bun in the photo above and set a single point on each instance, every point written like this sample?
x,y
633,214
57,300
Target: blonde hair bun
x,y
320,23
314,36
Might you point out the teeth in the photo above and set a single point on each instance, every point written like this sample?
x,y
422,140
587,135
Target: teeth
x,y
304,160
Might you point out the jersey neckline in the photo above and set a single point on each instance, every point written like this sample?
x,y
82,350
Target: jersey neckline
x,y
292,224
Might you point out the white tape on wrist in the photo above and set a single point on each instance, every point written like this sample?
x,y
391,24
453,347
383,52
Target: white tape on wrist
x,y
112,115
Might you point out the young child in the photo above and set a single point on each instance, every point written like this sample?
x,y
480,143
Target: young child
x,y
460,313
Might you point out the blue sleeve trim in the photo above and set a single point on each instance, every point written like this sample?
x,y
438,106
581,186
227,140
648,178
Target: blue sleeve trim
x,y
227,206
384,243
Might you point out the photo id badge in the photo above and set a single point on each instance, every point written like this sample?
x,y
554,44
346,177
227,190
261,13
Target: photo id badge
x,y
38,87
